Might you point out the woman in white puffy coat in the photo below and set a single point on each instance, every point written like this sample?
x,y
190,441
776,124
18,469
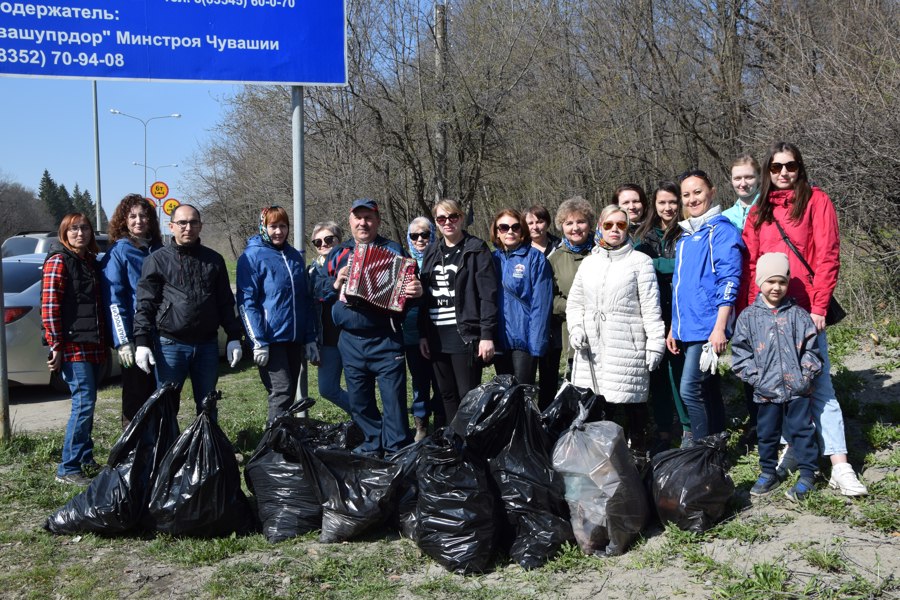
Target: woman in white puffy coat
x,y
615,326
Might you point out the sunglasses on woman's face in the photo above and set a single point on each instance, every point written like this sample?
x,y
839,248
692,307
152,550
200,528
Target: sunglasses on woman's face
x,y
505,228
328,240
442,219
415,236
622,225
792,167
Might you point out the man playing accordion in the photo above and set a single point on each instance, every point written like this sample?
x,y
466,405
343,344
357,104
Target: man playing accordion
x,y
371,341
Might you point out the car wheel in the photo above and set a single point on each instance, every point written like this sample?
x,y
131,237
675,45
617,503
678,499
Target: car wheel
x,y
57,383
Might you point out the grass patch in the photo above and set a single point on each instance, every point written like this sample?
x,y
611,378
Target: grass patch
x,y
765,581
881,435
826,559
843,340
758,528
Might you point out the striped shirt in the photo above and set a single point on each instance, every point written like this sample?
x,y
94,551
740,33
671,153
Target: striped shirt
x,y
53,291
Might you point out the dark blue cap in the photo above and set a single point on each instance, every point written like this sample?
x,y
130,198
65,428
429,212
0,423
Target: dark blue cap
x,y
364,203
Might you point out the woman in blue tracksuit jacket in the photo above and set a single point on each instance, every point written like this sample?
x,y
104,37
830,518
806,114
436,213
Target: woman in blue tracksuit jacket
x,y
525,297
276,309
708,259
134,231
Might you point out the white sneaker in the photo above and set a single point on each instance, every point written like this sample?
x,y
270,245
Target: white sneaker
x,y
787,464
844,479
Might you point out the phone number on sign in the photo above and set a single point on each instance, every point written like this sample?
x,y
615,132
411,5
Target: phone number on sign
x,y
39,57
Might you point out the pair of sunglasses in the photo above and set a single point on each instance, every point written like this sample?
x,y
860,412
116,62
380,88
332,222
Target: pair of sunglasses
x,y
328,240
424,235
453,218
792,167
622,225
504,228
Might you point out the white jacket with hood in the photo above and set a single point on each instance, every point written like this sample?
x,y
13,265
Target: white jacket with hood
x,y
614,299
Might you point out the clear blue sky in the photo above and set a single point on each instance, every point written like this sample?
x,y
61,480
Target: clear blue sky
x,y
48,124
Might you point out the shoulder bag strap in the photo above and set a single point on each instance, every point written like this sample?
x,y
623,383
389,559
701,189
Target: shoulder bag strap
x,y
793,248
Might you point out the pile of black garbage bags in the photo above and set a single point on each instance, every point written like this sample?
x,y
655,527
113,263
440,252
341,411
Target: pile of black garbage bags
x,y
502,479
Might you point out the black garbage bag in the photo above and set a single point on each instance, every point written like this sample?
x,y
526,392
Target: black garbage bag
x,y
456,511
285,485
198,490
558,417
477,421
300,432
407,492
532,494
116,499
606,495
691,486
356,492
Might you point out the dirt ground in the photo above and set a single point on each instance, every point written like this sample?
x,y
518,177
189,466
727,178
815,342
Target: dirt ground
x,y
651,570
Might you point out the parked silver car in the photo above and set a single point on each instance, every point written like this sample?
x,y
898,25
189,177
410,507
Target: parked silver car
x,y
37,242
26,354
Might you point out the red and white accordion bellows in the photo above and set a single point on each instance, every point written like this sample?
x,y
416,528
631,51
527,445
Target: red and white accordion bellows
x,y
377,276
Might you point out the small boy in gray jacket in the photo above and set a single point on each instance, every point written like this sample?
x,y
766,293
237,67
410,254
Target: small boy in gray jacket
x,y
774,349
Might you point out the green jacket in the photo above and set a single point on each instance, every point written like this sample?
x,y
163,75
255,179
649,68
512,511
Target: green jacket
x,y
565,264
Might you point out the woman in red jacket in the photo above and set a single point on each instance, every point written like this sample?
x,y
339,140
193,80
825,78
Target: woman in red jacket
x,y
790,210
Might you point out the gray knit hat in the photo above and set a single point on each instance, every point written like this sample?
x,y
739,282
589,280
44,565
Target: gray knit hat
x,y
771,265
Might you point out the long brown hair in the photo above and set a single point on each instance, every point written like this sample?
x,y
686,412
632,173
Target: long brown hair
x,y
765,210
118,224
68,221
652,218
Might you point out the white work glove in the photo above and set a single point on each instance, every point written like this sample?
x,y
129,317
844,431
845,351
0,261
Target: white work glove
x,y
143,358
578,340
126,355
312,352
260,356
233,353
709,360
653,359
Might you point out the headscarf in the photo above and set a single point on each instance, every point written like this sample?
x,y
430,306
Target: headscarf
x,y
416,254
263,230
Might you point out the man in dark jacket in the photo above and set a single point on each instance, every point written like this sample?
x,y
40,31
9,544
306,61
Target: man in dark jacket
x,y
371,342
183,297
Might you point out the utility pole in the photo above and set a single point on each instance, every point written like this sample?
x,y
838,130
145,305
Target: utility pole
x,y
440,131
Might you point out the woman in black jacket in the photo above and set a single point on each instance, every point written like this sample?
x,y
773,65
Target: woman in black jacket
x,y
458,319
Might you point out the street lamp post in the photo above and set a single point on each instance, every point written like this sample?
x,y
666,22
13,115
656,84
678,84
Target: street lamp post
x,y
155,176
145,122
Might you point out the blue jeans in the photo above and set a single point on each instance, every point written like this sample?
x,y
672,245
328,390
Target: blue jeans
x,y
826,412
371,359
78,447
330,369
701,393
176,360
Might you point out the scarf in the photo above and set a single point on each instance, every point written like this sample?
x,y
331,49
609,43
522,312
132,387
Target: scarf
x,y
580,248
417,254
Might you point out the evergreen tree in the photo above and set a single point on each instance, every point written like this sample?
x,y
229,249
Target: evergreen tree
x,y
48,192
64,200
81,202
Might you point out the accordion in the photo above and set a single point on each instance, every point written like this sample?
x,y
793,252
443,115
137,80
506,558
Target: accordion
x,y
376,276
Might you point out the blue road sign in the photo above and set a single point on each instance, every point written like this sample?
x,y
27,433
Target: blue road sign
x,y
291,42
